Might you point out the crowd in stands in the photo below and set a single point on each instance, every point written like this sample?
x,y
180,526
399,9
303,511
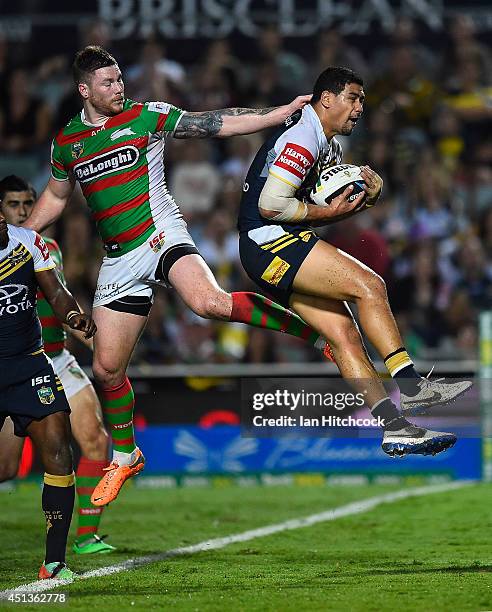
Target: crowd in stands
x,y
426,129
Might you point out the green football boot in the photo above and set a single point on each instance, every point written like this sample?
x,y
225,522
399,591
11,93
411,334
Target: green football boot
x,y
92,546
56,569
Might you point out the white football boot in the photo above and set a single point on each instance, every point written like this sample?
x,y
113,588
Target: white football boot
x,y
413,440
432,393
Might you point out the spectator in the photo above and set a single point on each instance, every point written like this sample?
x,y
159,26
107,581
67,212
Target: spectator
x,y
25,120
219,248
195,181
290,67
421,294
155,77
476,273
334,50
463,43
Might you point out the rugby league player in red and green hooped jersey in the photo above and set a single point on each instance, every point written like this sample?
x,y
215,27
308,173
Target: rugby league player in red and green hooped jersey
x,y
16,201
114,149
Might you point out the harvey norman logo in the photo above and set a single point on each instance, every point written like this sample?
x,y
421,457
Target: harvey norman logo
x,y
117,159
295,159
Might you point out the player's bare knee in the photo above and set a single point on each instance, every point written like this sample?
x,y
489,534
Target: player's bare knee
x,y
95,446
107,376
346,337
212,306
374,287
57,459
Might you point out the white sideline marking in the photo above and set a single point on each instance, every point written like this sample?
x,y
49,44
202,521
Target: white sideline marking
x,y
357,507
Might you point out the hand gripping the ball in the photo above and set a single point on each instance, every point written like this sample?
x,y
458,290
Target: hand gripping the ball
x,y
344,204
373,185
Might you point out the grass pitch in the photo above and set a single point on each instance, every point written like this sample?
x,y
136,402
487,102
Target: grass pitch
x,y
425,553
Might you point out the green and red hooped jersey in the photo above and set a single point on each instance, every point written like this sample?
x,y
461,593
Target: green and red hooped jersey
x,y
54,335
120,168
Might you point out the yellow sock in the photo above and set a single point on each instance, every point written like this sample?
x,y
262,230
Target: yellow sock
x,y
396,361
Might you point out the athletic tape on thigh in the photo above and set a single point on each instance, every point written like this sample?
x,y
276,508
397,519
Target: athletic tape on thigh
x,y
170,257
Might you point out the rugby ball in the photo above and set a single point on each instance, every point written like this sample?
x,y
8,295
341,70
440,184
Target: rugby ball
x,y
334,180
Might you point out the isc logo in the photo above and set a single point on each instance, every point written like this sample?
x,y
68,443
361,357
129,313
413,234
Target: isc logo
x,y
39,380
157,242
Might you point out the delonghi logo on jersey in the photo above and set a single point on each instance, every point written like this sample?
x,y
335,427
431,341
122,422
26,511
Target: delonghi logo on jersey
x,y
112,161
77,149
13,298
122,132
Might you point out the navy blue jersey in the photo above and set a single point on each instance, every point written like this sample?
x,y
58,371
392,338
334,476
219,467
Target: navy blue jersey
x,y
296,154
25,254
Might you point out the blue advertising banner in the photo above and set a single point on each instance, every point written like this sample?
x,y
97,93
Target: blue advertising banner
x,y
193,450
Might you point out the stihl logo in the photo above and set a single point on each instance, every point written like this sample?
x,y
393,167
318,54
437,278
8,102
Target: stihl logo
x,y
112,161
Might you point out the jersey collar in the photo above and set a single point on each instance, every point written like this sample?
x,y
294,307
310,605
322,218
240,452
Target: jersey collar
x,y
309,110
84,120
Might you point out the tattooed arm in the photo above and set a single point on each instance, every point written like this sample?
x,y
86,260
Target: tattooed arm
x,y
234,121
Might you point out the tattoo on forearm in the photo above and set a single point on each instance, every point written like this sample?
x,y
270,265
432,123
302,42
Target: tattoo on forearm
x,y
209,123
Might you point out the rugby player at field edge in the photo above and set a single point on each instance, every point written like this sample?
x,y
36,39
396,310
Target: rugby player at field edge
x,y
114,148
280,252
17,198
30,391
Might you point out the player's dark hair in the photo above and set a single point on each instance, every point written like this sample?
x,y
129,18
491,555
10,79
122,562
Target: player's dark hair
x,y
88,60
14,183
334,79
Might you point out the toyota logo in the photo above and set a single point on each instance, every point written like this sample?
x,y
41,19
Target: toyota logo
x,y
7,292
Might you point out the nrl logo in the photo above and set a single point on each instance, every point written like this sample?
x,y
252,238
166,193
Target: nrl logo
x,y
77,149
46,395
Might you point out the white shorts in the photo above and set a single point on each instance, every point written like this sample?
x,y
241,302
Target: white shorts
x,y
134,273
70,373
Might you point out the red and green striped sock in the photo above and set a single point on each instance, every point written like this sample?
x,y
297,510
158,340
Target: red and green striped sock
x,y
117,403
88,474
256,310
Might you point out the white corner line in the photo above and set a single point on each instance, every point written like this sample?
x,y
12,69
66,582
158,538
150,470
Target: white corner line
x,y
357,507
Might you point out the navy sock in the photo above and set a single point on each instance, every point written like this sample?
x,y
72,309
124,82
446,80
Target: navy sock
x,y
407,379
389,413
57,500
401,368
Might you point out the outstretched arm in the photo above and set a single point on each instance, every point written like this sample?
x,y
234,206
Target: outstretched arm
x,y
50,204
235,121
